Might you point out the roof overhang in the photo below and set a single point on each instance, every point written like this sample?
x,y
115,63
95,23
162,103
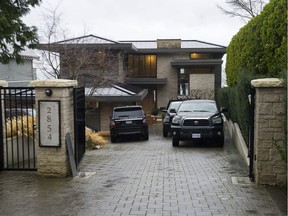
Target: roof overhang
x,y
146,81
116,93
180,63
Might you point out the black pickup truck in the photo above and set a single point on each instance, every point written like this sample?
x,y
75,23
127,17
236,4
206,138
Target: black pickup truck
x,y
198,120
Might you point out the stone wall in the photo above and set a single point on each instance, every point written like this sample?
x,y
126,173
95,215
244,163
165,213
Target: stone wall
x,y
269,167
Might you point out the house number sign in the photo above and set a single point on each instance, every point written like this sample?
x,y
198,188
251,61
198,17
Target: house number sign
x,y
49,123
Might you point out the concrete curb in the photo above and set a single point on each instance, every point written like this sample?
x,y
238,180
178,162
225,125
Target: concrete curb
x,y
235,135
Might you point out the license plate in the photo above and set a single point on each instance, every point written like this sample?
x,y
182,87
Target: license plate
x,y
196,136
128,122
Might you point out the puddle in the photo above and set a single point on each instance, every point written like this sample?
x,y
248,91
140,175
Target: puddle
x,y
241,181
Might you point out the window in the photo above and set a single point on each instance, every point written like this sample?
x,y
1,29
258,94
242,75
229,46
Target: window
x,y
200,56
205,56
142,66
183,80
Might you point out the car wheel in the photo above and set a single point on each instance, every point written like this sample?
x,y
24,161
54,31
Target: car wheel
x,y
220,141
175,142
113,139
165,132
146,136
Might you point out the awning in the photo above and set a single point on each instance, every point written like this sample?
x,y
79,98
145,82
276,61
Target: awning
x,y
117,93
146,81
180,63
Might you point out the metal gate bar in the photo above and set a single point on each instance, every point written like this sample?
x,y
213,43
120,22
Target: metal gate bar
x,y
251,135
18,124
79,123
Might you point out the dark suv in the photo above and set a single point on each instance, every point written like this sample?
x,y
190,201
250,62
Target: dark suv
x,y
198,120
128,120
166,122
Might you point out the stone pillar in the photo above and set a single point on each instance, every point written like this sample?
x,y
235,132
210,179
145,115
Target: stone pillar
x,y
3,83
53,160
269,139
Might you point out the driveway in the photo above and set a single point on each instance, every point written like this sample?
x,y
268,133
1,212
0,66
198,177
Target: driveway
x,y
143,178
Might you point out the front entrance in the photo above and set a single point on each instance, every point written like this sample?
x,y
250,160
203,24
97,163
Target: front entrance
x,y
150,101
17,129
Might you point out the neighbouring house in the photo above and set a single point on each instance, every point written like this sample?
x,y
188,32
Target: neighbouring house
x,y
148,73
19,75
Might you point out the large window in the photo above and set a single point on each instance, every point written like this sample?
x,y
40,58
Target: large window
x,y
142,66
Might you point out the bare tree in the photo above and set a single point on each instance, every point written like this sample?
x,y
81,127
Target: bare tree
x,y
50,32
88,59
245,9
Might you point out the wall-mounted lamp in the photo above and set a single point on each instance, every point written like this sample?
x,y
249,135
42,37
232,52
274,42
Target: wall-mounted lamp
x,y
48,92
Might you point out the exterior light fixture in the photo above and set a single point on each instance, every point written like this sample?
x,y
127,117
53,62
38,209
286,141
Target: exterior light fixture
x,y
48,92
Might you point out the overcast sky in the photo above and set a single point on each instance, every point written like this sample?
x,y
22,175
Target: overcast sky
x,y
143,20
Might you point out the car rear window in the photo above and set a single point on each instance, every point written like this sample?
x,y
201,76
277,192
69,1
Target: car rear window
x,y
128,112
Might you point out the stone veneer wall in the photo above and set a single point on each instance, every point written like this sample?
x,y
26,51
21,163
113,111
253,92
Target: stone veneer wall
x,y
269,167
164,70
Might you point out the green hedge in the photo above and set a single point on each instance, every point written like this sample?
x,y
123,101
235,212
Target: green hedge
x,y
261,45
236,100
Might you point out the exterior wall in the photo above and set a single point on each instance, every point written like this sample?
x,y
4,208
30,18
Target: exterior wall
x,y
165,70
270,168
202,85
17,72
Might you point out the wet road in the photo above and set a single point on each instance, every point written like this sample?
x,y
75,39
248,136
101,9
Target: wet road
x,y
143,178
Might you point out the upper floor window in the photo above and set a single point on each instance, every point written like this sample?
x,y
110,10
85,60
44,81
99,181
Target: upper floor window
x,y
200,56
206,55
142,66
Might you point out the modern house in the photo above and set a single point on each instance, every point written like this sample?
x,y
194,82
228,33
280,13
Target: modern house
x,y
19,75
148,73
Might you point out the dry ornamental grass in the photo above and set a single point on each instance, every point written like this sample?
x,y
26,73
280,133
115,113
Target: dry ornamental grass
x,y
24,125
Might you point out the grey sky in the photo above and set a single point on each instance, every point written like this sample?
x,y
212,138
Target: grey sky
x,y
144,20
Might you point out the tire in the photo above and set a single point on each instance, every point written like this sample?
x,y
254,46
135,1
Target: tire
x,y
113,139
220,141
146,136
165,132
175,142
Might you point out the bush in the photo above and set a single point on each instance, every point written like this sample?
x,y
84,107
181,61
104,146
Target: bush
x,y
261,45
236,100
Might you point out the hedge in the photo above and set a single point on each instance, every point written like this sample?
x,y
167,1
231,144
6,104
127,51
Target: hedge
x,y
261,45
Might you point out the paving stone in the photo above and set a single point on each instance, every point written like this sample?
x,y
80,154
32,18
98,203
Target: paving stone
x,y
144,178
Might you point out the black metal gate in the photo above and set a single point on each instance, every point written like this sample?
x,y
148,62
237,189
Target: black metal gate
x,y
251,134
79,123
17,128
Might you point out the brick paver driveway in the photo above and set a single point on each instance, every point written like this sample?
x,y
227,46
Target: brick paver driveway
x,y
142,178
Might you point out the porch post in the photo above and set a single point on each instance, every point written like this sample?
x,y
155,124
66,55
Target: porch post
x,y
55,117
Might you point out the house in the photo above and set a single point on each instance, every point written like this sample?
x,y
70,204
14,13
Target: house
x,y
19,75
148,72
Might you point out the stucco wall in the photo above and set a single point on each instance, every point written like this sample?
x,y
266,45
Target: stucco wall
x,y
270,168
202,85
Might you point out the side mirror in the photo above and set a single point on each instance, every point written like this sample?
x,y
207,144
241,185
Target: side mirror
x,y
172,111
223,109
163,109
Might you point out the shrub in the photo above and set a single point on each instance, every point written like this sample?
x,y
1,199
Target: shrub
x,y
261,45
236,100
94,140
